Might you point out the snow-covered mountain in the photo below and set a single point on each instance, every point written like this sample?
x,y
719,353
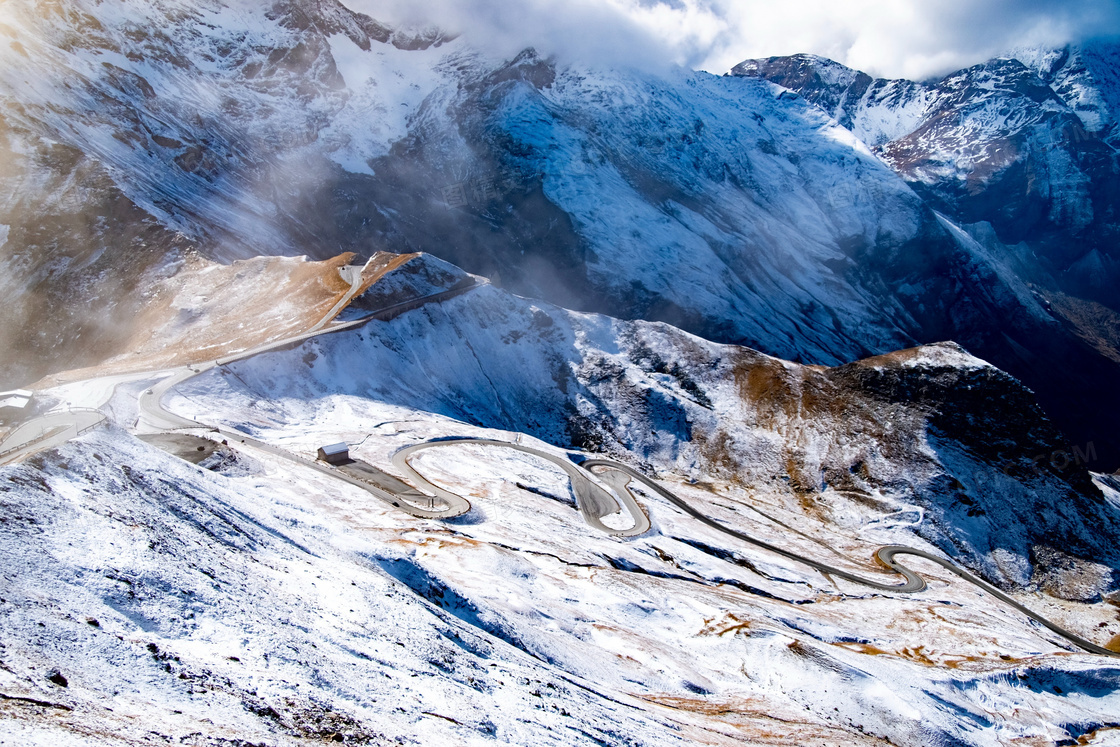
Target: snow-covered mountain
x,y
334,147
743,293
141,132
1027,145
1021,151
248,597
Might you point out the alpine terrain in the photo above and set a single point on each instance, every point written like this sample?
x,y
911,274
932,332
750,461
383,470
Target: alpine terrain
x,y
368,386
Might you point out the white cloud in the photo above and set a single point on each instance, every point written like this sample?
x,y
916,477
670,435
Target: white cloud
x,y
592,30
896,38
900,38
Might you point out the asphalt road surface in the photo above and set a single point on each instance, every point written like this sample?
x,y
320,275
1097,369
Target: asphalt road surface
x,y
885,555
593,501
46,432
352,275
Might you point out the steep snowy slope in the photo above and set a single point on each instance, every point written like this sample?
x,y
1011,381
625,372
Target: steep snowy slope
x,y
1087,78
719,205
250,598
1023,145
1016,150
77,257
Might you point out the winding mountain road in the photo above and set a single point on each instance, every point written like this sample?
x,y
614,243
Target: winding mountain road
x,y
588,479
47,432
595,502
592,500
885,555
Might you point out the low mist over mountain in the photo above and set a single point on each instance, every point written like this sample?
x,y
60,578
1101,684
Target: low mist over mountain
x,y
834,312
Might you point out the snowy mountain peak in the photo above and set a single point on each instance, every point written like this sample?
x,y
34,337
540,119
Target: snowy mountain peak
x,y
331,17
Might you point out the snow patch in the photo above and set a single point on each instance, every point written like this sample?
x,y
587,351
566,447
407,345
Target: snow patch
x,y
386,87
942,355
